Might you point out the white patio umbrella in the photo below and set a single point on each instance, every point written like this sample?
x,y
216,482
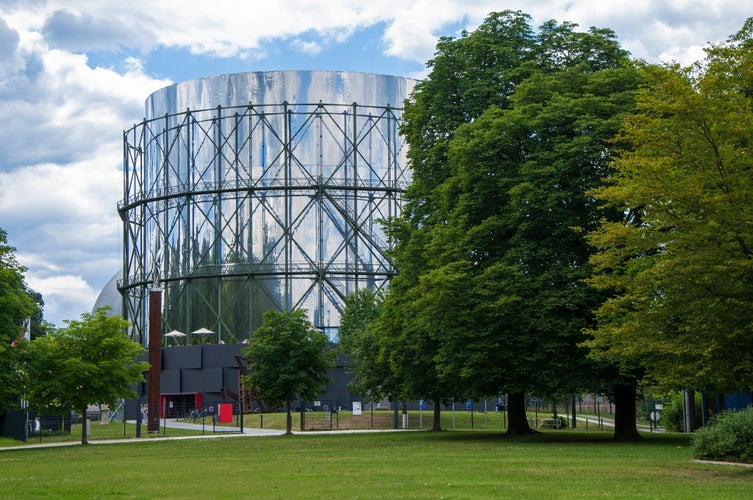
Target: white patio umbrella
x,y
202,331
175,334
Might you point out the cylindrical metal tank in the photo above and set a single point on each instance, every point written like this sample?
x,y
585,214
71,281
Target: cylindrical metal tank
x,y
253,191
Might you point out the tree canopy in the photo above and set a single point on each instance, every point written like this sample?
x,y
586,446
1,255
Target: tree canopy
x,y
679,264
17,306
288,359
88,361
360,340
506,135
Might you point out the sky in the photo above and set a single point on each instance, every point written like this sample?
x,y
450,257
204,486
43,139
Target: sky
x,y
75,73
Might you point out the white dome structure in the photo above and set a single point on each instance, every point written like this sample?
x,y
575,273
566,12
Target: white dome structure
x,y
110,297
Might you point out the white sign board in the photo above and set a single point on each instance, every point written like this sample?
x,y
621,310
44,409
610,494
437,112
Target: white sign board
x,y
356,407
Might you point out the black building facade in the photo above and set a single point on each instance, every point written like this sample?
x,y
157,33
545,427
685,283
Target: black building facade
x,y
198,376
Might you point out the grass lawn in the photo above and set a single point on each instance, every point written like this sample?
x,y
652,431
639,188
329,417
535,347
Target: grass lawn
x,y
460,464
380,419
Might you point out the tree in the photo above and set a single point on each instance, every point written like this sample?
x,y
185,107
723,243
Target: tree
x,y
289,359
506,136
17,305
88,361
679,263
520,208
410,344
360,341
468,75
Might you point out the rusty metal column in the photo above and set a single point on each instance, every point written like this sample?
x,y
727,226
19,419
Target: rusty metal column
x,y
155,359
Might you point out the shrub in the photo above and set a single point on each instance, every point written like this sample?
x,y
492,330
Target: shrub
x,y
672,414
728,436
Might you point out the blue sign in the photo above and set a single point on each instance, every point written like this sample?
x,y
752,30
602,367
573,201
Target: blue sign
x,y
421,404
469,405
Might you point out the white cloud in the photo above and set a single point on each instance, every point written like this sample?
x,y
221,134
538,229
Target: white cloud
x,y
62,219
62,294
8,41
68,31
58,189
307,47
229,28
68,109
664,30
61,127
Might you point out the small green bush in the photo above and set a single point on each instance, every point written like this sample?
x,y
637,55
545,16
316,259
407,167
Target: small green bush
x,y
728,436
673,412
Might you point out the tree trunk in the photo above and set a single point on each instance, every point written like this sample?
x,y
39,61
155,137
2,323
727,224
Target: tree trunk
x,y
688,407
436,424
84,437
289,420
517,422
624,413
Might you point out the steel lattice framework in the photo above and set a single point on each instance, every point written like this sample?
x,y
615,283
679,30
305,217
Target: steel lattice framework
x,y
235,210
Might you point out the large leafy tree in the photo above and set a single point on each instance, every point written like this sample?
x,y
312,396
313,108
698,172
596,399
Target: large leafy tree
x,y
289,359
468,74
680,263
17,305
88,361
520,209
506,135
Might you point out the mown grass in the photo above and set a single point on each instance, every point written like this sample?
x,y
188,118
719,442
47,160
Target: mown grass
x,y
555,464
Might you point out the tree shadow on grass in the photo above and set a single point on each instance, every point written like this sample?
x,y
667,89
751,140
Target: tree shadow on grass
x,y
668,439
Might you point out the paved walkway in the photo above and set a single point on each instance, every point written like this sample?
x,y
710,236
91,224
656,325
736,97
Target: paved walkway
x,y
227,432
235,431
